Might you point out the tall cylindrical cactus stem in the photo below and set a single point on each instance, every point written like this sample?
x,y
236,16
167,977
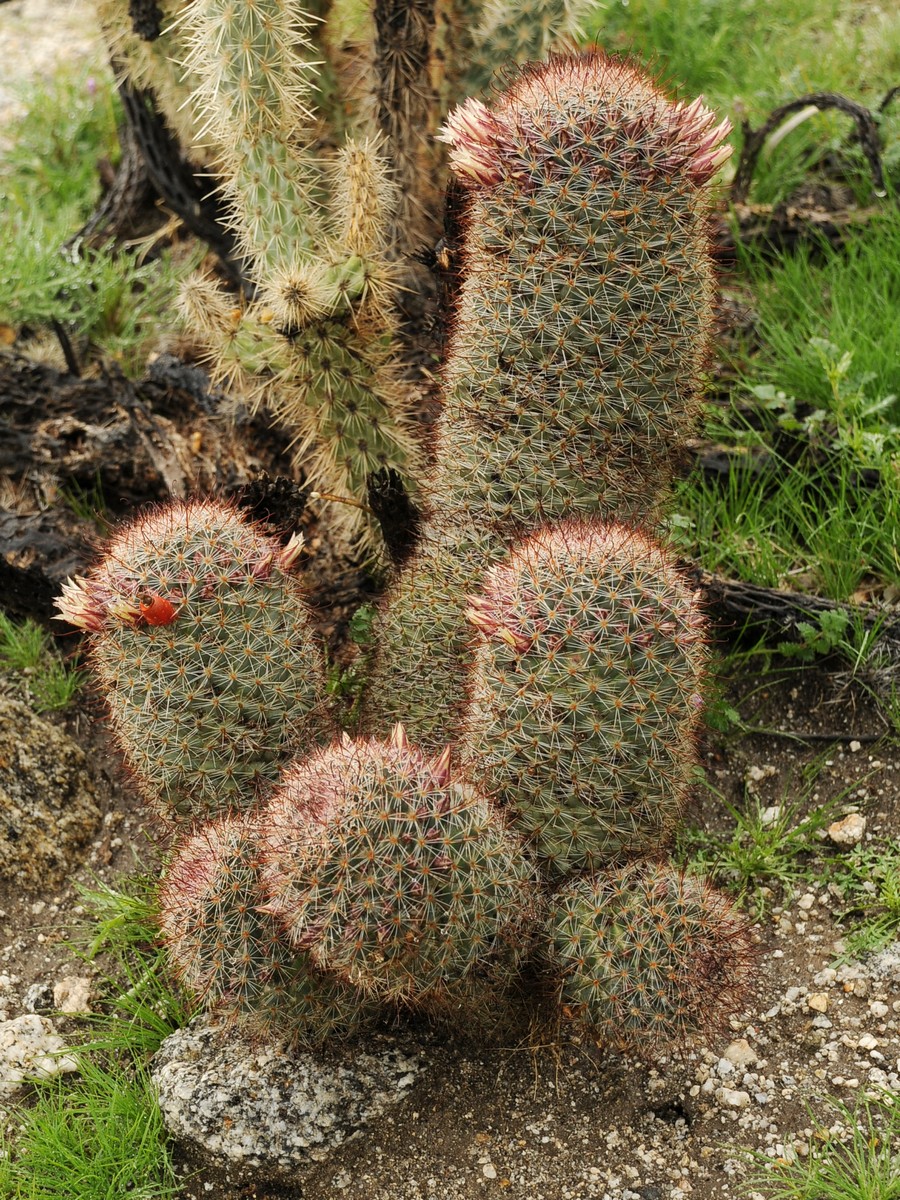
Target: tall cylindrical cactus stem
x,y
230,953
648,959
585,693
390,872
584,320
577,348
201,641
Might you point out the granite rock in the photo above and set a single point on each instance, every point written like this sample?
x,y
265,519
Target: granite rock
x,y
267,1106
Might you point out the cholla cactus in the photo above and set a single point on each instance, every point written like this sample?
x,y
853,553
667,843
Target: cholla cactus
x,y
648,958
202,645
389,872
230,953
585,693
582,327
316,344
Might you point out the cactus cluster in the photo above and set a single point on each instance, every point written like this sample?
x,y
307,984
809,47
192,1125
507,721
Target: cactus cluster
x,y
541,629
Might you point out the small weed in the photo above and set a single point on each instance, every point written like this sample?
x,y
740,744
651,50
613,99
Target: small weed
x,y
868,878
854,1158
26,651
88,503
143,1005
22,647
771,844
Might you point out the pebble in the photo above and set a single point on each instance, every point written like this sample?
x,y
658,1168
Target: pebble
x,y
818,1001
72,994
30,1048
741,1053
878,1008
733,1098
848,831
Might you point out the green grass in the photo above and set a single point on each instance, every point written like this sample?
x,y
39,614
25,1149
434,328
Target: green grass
x,y
98,1134
751,855
749,56
869,880
27,653
860,1163
110,303
820,396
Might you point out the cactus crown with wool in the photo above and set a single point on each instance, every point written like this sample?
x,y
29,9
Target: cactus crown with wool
x,y
389,872
649,957
231,953
202,644
585,691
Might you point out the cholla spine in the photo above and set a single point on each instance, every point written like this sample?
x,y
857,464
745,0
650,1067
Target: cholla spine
x,y
390,873
586,692
648,958
202,642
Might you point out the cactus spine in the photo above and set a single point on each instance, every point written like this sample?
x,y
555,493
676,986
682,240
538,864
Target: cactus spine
x,y
573,371
202,643
648,958
230,952
586,692
388,872
317,343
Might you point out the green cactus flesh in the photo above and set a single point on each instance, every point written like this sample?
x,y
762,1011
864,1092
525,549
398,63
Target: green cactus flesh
x,y
585,693
649,958
210,696
231,954
422,640
388,872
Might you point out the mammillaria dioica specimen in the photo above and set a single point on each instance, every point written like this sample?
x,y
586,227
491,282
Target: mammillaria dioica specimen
x,y
648,958
389,872
585,693
203,648
231,954
573,373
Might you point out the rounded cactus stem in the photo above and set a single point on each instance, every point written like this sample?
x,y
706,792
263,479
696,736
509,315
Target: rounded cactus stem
x,y
389,872
649,959
230,953
202,643
423,641
585,693
585,315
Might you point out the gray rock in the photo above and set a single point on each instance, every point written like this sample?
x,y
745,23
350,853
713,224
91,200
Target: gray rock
x,y
271,1107
30,1048
47,805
